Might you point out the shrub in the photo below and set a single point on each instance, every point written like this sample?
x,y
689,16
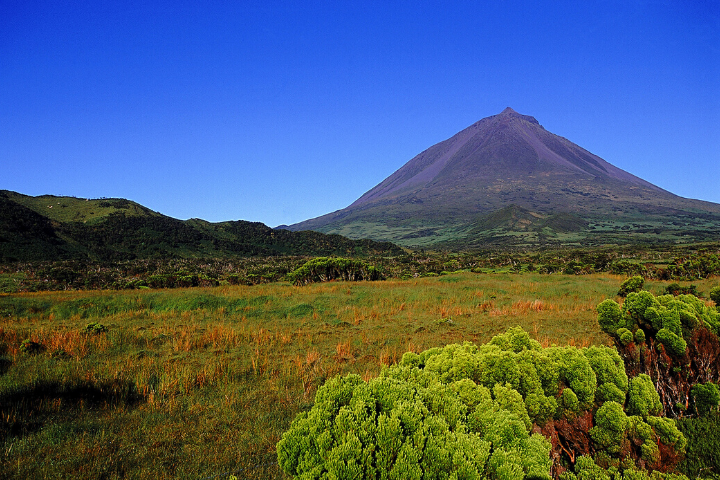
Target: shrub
x,y
611,426
673,342
95,328
643,399
325,269
703,445
676,343
639,336
705,397
662,317
30,347
715,295
609,315
388,427
467,411
676,289
632,284
624,335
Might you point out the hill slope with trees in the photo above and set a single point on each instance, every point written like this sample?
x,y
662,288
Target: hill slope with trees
x,y
49,228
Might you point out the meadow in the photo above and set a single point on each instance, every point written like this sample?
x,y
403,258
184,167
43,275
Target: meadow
x,y
202,382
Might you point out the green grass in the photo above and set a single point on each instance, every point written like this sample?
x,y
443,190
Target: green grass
x,y
71,209
10,282
200,382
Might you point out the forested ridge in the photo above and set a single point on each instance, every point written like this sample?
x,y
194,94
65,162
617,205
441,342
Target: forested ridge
x,y
103,230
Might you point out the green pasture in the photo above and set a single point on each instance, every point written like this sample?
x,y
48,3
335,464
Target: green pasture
x,y
201,383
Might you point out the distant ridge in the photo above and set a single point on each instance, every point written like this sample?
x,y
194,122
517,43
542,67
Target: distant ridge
x,y
49,228
443,196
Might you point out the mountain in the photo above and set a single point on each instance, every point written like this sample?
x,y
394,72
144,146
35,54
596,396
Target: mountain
x,y
505,180
67,228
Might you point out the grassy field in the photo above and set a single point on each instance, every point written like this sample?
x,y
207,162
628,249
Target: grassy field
x,y
201,383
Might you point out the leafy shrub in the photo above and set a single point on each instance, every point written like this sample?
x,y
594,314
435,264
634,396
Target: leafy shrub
x,y
468,411
609,315
703,445
611,426
632,284
664,318
324,269
639,336
675,336
705,396
625,335
715,295
677,289
95,328
30,347
643,399
395,429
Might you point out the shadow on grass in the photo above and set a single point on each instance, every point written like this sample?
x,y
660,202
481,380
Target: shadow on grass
x,y
5,365
28,409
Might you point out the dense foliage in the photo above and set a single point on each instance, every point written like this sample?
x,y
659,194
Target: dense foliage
x,y
632,284
508,409
703,445
108,230
251,270
674,340
325,269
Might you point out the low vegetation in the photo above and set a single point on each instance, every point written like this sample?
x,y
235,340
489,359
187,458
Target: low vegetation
x,y
681,264
47,228
325,269
674,340
508,409
204,381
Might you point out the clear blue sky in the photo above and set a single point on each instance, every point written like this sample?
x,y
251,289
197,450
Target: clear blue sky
x,y
282,111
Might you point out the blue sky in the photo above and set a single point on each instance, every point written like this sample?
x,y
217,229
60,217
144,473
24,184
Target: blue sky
x,y
282,111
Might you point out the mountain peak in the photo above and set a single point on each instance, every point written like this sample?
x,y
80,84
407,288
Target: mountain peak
x,y
510,114
502,160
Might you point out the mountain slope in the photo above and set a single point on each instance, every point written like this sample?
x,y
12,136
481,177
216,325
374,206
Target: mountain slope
x,y
443,196
65,228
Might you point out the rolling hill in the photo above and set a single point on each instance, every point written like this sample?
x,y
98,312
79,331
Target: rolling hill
x,y
67,228
506,181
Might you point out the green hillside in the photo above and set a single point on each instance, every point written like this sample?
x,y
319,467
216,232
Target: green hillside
x,y
65,228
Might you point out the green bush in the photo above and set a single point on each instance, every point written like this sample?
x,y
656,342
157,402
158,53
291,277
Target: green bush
x,y
395,429
625,335
715,295
677,289
668,432
677,344
705,397
643,399
467,411
30,347
666,318
611,427
639,336
703,444
610,315
632,284
95,328
325,269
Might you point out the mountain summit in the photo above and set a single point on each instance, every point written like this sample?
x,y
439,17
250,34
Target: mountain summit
x,y
459,192
504,147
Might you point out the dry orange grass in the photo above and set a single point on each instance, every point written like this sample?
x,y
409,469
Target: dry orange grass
x,y
344,352
390,355
255,366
